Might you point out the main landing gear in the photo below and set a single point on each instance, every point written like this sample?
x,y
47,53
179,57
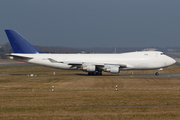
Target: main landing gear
x,y
95,73
90,73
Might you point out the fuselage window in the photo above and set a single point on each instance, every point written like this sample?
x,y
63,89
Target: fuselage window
x,y
162,53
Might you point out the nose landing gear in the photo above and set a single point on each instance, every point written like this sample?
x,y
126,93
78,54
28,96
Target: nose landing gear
x,y
157,73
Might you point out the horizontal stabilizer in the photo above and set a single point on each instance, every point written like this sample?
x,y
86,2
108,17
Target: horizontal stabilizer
x,y
19,57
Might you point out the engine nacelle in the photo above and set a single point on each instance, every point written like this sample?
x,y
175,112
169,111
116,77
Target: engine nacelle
x,y
90,68
112,69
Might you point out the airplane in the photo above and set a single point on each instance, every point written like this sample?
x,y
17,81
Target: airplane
x,y
94,64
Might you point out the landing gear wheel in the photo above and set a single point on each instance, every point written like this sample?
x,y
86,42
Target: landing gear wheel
x,y
90,73
156,73
98,73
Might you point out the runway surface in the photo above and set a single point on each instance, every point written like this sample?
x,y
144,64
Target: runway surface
x,y
145,75
152,75
14,63
118,75
8,63
148,106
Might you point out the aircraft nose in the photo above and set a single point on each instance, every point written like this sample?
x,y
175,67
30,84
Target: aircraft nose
x,y
171,61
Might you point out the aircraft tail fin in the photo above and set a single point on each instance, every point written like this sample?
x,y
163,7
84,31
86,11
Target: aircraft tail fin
x,y
19,44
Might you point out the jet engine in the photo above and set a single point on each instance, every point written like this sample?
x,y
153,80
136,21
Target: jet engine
x,y
112,69
90,68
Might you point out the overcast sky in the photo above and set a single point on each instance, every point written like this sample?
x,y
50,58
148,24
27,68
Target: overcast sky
x,y
93,23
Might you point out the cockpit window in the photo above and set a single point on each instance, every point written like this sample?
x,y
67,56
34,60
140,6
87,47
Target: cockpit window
x,y
162,53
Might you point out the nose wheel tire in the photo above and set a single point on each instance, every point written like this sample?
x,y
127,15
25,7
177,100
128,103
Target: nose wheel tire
x,y
156,73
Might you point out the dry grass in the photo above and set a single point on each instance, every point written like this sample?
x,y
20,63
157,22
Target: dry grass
x,y
23,97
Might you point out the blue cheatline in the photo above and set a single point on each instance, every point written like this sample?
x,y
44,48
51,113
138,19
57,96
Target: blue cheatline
x,y
19,44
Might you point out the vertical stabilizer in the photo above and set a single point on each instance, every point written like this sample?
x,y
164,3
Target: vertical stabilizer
x,y
19,44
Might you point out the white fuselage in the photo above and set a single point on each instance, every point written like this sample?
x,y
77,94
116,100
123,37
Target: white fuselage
x,y
133,60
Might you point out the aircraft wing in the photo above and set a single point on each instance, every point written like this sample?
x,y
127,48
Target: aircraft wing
x,y
78,64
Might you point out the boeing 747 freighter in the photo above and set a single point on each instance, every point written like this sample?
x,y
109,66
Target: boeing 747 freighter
x,y
94,64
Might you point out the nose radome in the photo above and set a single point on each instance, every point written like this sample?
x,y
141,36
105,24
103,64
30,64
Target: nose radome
x,y
171,61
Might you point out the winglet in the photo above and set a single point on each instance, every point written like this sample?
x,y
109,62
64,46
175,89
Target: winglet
x,y
19,44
